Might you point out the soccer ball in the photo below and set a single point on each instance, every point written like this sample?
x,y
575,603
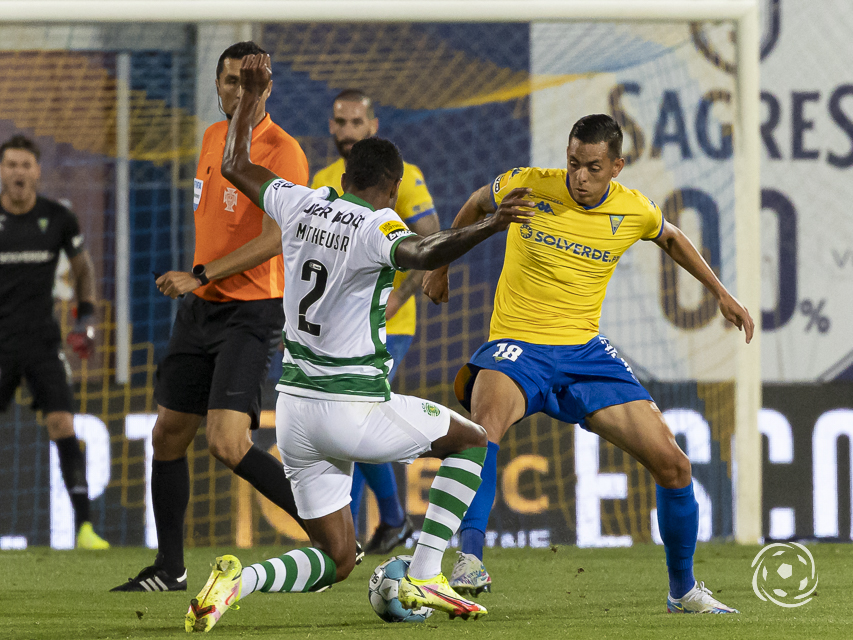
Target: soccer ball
x,y
382,592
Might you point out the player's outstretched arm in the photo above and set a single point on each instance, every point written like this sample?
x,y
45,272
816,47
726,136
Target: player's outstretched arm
x,y
444,247
476,208
237,166
414,280
678,247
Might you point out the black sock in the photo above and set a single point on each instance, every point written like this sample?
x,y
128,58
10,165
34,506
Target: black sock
x,y
170,495
72,463
266,474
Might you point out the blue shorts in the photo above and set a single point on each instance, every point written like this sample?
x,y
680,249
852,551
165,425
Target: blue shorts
x,y
565,382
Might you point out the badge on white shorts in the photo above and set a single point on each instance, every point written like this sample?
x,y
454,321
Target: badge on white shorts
x,y
430,409
198,185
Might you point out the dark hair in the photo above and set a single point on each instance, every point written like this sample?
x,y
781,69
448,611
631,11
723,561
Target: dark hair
x,y
357,95
599,128
237,52
20,142
373,162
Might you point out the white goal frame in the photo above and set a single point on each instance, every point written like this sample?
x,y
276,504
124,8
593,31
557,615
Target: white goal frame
x,y
744,15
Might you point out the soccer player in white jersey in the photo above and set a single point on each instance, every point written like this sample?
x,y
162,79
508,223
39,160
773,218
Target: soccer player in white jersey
x,y
335,406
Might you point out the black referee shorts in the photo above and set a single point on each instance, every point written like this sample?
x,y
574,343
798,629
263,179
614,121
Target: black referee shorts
x,y
219,355
47,374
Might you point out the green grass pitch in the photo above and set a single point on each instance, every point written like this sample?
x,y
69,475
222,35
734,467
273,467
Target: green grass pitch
x,y
563,592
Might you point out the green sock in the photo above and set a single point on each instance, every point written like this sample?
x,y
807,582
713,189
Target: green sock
x,y
300,570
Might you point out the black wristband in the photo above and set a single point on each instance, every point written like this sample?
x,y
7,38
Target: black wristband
x,y
199,273
84,310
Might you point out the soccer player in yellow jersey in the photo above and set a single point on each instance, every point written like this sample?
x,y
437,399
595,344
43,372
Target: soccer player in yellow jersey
x,y
353,119
545,352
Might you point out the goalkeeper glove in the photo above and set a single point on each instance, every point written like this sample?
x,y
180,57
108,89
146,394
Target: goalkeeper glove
x,y
82,338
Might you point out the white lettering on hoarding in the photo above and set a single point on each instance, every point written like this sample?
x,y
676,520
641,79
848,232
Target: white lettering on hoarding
x,y
140,426
831,426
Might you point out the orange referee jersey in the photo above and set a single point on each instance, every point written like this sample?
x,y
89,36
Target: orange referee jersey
x,y
225,219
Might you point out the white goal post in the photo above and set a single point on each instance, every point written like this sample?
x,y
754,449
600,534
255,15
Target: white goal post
x,y
742,13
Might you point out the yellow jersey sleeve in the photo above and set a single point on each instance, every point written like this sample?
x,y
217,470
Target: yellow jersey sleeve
x,y
414,201
654,222
508,181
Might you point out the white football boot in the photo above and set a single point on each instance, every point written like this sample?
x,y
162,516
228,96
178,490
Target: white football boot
x,y
469,576
697,600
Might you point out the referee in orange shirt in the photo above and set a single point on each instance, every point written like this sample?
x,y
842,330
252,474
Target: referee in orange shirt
x,y
219,351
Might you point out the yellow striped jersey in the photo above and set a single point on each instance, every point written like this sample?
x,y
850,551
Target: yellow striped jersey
x,y
414,203
557,267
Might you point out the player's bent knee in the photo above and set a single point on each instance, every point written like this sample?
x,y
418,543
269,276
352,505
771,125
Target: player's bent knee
x,y
496,422
472,434
173,432
675,472
479,436
228,439
343,555
344,566
228,451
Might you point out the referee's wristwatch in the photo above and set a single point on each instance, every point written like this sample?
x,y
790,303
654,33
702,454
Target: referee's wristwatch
x,y
200,274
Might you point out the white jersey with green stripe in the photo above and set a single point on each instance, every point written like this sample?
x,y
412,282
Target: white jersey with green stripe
x,y
338,271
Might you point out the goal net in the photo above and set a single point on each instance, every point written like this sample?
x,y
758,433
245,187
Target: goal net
x,y
464,102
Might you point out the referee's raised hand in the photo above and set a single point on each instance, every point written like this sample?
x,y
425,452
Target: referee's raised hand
x,y
255,73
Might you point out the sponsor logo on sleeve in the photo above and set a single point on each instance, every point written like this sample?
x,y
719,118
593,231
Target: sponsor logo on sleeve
x,y
394,229
77,241
281,184
198,185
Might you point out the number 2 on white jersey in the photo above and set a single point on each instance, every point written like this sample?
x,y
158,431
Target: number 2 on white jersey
x,y
319,269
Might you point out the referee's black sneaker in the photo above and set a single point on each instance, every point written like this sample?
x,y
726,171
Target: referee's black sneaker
x,y
154,578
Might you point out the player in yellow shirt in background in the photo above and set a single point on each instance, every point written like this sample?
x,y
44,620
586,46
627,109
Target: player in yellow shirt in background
x,y
353,119
545,352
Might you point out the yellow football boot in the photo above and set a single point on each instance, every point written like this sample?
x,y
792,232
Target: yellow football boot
x,y
436,593
88,539
221,593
